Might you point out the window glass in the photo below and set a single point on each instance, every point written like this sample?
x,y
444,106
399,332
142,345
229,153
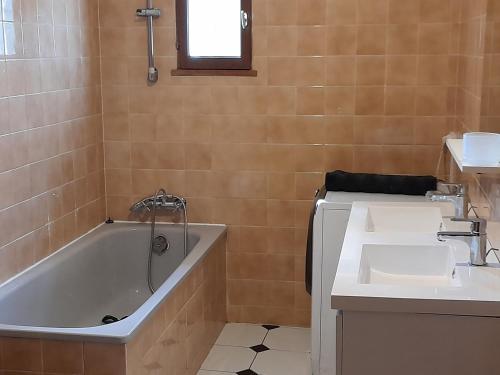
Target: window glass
x,y
214,28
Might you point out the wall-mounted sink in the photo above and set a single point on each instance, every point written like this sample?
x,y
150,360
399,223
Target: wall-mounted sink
x,y
418,265
404,219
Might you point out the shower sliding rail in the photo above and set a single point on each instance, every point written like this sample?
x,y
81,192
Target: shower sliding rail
x,y
149,12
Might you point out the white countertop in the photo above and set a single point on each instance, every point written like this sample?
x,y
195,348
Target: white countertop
x,y
477,291
456,147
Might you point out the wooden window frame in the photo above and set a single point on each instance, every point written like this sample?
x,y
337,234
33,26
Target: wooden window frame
x,y
186,63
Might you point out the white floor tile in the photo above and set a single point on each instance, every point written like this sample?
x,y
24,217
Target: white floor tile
x,y
275,362
228,359
206,372
289,338
241,334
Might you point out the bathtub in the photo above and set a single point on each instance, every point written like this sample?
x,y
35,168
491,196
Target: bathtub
x,y
104,272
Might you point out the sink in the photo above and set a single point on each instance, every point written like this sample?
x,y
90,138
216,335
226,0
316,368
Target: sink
x,y
404,219
408,265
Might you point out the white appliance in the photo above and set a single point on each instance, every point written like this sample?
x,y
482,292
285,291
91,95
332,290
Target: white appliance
x,y
329,227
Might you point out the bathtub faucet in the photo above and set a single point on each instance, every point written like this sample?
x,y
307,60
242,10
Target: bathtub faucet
x,y
164,200
161,199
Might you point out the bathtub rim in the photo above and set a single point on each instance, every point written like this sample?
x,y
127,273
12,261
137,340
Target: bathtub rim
x,y
122,331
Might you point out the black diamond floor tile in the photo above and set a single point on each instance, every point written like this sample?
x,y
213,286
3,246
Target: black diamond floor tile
x,y
270,326
247,372
259,348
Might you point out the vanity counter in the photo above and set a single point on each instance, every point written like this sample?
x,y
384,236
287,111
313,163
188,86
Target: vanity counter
x,y
392,261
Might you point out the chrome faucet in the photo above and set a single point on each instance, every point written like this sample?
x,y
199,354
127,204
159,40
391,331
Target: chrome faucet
x,y
159,244
476,239
456,194
160,200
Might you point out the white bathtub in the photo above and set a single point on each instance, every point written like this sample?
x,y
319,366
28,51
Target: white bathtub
x,y
102,273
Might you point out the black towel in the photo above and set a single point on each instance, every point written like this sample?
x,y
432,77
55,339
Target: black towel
x,y
379,183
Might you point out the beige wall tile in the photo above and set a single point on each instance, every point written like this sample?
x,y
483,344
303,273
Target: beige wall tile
x,y
400,101
104,359
341,40
371,39
340,70
341,12
62,357
21,354
310,101
370,70
311,40
369,100
281,12
434,38
372,11
282,41
403,11
402,39
311,12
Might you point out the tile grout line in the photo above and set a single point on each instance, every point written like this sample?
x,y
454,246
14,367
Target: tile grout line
x,y
253,360
262,343
270,349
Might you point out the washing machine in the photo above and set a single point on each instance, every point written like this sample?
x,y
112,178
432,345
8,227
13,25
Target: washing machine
x,y
329,223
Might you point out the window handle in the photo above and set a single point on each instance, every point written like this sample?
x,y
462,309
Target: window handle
x,y
244,19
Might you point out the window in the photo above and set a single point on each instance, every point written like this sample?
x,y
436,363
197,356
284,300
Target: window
x,y
214,35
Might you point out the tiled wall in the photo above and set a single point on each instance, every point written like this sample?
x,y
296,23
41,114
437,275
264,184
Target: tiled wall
x,y
362,85
490,111
472,23
51,170
175,340
478,84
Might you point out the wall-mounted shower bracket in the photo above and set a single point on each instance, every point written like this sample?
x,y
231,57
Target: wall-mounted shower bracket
x,y
154,12
149,12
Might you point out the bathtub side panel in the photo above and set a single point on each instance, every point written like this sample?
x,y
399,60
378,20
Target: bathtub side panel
x,y
181,332
36,357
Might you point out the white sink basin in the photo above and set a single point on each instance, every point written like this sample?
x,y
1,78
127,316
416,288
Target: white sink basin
x,y
418,265
404,219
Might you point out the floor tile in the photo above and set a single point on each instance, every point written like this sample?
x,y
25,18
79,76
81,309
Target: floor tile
x,y
276,362
270,326
205,372
241,334
259,348
289,338
228,359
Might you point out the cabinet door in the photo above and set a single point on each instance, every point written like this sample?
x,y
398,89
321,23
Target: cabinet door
x,y
419,344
